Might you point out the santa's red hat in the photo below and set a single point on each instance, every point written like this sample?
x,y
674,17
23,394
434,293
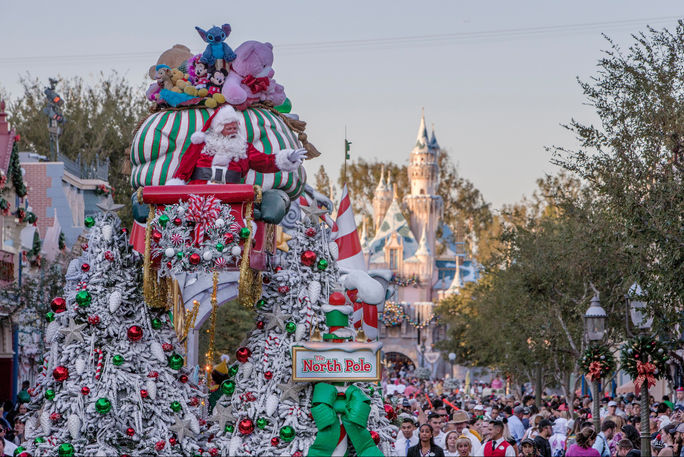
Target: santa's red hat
x,y
220,117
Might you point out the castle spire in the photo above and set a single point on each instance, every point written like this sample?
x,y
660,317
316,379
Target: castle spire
x,y
423,248
422,138
381,183
433,139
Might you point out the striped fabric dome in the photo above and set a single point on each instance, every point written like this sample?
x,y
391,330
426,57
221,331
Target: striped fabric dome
x,y
159,144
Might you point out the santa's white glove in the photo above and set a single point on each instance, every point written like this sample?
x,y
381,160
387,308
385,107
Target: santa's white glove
x,y
297,156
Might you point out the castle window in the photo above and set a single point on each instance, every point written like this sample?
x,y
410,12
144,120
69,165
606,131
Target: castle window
x,y
393,259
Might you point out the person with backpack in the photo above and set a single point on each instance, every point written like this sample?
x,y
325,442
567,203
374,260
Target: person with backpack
x,y
602,439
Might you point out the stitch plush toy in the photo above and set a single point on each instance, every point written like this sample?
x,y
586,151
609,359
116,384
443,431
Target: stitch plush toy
x,y
217,53
251,77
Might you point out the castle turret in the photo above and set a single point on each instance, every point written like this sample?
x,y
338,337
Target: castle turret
x,y
423,203
382,199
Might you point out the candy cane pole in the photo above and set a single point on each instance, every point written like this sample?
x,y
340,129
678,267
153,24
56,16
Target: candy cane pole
x,y
98,370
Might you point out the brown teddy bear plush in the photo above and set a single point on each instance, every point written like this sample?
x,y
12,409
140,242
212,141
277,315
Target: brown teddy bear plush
x,y
175,57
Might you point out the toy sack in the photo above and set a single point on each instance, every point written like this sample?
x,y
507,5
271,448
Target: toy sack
x,y
162,138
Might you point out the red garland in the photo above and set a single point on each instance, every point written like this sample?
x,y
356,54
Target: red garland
x,y
595,369
646,372
203,211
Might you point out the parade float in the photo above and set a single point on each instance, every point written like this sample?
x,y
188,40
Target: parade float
x,y
222,212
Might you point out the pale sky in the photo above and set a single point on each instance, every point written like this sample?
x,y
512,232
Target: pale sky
x,y
496,78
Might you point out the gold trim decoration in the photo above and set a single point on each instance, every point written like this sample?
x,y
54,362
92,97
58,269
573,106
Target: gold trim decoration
x,y
190,319
281,239
250,284
209,362
178,310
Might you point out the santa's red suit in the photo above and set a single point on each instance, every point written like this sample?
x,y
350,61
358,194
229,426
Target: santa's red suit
x,y
198,167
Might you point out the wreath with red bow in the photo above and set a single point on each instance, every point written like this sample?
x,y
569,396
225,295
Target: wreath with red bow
x,y
644,359
597,362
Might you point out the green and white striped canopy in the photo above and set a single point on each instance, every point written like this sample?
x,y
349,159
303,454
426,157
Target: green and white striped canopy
x,y
162,139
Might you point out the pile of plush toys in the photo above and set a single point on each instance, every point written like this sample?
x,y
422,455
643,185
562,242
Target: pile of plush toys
x,y
218,75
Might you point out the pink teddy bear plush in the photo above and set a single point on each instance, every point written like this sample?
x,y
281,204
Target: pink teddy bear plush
x,y
251,77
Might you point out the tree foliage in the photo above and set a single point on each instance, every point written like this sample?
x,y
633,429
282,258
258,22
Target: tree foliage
x,y
100,122
233,322
634,159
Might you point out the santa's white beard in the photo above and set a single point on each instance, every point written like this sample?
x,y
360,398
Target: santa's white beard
x,y
225,149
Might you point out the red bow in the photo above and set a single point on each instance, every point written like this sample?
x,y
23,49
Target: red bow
x,y
256,84
595,369
203,211
646,372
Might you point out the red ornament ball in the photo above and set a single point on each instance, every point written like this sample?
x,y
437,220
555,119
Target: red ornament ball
x,y
308,258
213,452
167,347
153,374
85,268
243,354
156,236
310,231
60,373
297,454
283,289
194,259
202,423
266,279
268,375
229,238
144,393
260,325
58,305
109,256
376,437
169,265
246,426
275,441
337,299
84,247
85,390
159,445
130,431
183,378
124,231
94,320
173,441
194,401
135,333
177,221
54,417
278,269
389,412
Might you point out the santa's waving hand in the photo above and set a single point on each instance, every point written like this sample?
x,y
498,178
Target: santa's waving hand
x,y
221,154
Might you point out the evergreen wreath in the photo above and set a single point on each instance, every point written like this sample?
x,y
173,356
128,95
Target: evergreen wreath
x,y
642,350
597,362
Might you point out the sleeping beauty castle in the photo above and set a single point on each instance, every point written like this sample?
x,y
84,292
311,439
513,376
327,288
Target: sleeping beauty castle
x,y
428,260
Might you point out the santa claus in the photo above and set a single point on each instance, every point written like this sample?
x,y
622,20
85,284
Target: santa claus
x,y
221,154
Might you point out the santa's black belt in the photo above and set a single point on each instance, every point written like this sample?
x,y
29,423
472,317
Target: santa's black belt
x,y
216,174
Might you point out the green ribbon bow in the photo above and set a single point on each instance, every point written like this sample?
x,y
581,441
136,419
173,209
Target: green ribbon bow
x,y
353,408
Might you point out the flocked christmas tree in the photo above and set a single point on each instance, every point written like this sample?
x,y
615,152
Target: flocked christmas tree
x,y
113,379
262,411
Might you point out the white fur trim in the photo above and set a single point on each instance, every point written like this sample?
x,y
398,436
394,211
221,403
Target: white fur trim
x,y
226,115
283,162
198,138
344,309
344,332
174,182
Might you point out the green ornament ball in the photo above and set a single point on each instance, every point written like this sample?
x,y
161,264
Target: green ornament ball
x,y
50,316
49,394
232,371
219,247
228,387
229,428
83,298
163,220
179,255
244,233
19,449
290,327
322,264
175,361
66,450
260,303
156,323
39,440
175,406
286,107
287,433
262,422
117,360
103,405
371,389
89,221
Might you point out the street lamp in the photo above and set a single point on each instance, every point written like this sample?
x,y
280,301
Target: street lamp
x,y
640,321
594,329
452,357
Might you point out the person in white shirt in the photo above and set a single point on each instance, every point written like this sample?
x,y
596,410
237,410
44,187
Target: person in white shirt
x,y
436,420
407,437
498,443
459,423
